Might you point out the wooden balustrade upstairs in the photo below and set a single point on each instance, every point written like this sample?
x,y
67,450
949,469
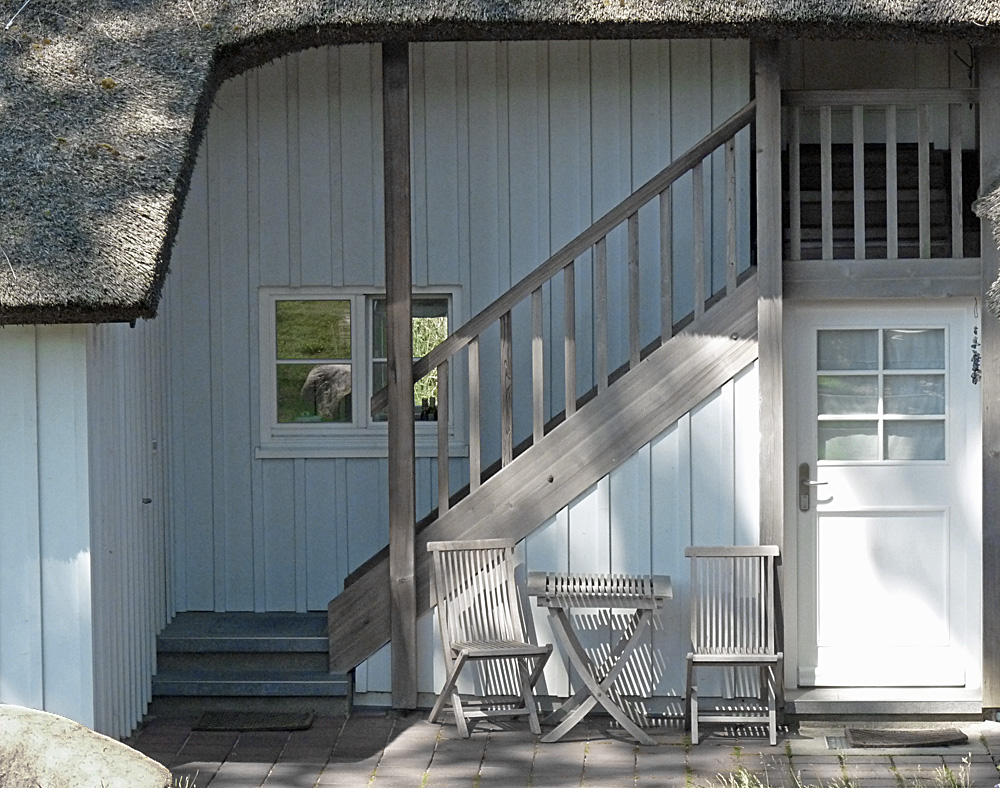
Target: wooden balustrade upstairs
x,y
879,175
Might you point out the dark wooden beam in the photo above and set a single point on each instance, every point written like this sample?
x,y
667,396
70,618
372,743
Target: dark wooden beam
x,y
767,80
398,287
865,279
989,157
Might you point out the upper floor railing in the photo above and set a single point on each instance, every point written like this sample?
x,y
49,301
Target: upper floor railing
x,y
592,243
880,174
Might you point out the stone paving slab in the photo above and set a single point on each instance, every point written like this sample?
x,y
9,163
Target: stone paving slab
x,y
384,750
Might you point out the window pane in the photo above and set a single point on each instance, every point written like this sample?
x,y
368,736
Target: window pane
x,y
917,348
313,329
914,440
914,395
430,328
848,440
847,349
314,393
847,394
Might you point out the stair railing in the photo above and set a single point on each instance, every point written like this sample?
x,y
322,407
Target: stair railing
x,y
594,238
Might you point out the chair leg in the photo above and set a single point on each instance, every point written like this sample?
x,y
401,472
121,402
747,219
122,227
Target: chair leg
x,y
691,702
448,692
772,710
529,697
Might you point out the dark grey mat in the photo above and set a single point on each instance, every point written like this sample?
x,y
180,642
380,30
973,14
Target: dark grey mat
x,y
254,721
940,737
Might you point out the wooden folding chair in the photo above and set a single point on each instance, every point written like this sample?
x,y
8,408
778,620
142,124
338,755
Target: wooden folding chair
x,y
479,613
732,625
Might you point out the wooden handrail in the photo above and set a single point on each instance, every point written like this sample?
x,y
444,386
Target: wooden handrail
x,y
576,247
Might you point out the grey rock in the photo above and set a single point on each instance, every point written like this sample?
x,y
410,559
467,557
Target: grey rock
x,y
42,749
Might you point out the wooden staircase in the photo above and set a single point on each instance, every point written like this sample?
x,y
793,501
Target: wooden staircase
x,y
626,408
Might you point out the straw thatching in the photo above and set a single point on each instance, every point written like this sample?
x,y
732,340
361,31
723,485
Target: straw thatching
x,y
103,103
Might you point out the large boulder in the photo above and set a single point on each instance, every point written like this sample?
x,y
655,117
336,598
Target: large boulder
x,y
42,749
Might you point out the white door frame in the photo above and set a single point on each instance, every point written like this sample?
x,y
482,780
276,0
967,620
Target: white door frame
x,y
794,317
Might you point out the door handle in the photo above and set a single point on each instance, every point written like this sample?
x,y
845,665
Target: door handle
x,y
805,486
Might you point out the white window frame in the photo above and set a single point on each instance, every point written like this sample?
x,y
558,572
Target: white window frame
x,y
363,436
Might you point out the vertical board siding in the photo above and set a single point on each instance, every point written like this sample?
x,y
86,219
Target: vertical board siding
x,y
83,559
129,425
516,148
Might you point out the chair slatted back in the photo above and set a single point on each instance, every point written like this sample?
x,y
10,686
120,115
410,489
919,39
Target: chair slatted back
x,y
476,591
732,599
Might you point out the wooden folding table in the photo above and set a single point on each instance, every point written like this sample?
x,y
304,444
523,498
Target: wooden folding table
x,y
561,592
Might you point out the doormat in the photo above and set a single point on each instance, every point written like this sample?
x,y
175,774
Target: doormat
x,y
941,737
254,721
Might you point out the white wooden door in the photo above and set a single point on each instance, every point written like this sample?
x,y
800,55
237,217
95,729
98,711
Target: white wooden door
x,y
886,495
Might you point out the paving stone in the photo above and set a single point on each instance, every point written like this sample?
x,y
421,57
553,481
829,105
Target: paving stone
x,y
293,775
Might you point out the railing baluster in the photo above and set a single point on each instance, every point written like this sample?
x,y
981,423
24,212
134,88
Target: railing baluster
x,y
957,220
891,185
924,175
731,272
475,448
444,480
506,389
666,266
569,315
858,124
826,178
698,221
601,311
537,368
633,290
795,184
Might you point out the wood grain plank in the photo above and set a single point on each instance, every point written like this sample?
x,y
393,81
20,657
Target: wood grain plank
x,y
770,305
506,389
924,179
537,368
891,182
989,170
569,338
795,183
443,466
666,265
858,135
475,443
634,304
955,146
698,230
826,179
402,503
601,312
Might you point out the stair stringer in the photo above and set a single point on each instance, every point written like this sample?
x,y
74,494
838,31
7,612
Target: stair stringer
x,y
602,434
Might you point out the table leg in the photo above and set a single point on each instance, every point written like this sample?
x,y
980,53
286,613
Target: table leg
x,y
577,707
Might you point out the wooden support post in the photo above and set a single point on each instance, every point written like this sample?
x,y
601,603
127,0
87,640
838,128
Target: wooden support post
x,y
989,157
398,286
769,304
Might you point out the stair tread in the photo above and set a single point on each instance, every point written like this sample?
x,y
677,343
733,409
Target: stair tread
x,y
251,683
264,632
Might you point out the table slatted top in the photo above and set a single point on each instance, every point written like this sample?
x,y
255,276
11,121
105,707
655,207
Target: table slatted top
x,y
557,589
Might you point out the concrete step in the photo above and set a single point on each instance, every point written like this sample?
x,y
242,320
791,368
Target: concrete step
x,y
256,632
250,661
213,661
250,683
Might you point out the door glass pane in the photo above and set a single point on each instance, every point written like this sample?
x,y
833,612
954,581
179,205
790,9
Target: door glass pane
x,y
314,393
848,440
914,440
847,394
914,348
847,349
914,395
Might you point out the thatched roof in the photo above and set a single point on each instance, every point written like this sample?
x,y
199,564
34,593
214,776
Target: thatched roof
x,y
103,104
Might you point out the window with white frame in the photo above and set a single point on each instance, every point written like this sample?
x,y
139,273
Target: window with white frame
x,y
323,356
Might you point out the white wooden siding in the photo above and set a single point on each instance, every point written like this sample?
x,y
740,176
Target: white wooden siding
x,y
517,147
83,572
45,551
129,496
